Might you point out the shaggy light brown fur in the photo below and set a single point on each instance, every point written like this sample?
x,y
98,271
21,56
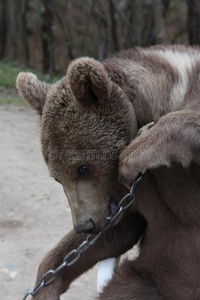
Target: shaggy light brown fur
x,y
87,120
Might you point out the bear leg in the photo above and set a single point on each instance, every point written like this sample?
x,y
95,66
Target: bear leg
x,y
129,283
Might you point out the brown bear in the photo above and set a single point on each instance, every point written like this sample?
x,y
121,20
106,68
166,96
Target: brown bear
x,y
89,121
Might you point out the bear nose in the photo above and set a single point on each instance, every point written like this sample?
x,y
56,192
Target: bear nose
x,y
85,226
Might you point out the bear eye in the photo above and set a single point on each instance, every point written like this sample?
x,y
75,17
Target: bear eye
x,y
82,169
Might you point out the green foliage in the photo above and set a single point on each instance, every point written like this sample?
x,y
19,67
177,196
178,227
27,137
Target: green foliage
x,y
8,74
12,100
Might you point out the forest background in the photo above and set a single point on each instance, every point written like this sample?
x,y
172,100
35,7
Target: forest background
x,y
48,34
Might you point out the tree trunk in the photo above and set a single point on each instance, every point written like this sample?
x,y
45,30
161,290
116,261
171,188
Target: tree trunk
x,y
166,4
113,27
194,21
183,13
47,36
101,26
87,14
125,21
153,25
71,48
25,32
3,28
159,31
134,8
12,45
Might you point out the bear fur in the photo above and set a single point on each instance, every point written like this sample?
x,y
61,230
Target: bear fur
x,y
89,122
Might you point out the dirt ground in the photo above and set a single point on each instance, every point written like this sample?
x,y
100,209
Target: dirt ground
x,y
34,214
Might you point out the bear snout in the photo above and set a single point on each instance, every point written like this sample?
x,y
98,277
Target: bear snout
x,y
86,226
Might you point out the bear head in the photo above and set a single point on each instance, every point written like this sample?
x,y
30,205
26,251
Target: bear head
x,y
86,120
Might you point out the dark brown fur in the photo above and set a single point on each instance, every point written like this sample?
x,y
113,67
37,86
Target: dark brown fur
x,y
92,109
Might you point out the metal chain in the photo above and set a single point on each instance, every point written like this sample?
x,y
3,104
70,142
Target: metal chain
x,y
73,256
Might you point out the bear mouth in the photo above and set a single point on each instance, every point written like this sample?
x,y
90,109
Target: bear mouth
x,y
112,205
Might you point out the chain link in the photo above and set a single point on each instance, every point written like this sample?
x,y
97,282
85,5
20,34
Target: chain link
x,y
73,256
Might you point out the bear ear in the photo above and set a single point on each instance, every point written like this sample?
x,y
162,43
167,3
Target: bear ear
x,y
89,82
32,90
